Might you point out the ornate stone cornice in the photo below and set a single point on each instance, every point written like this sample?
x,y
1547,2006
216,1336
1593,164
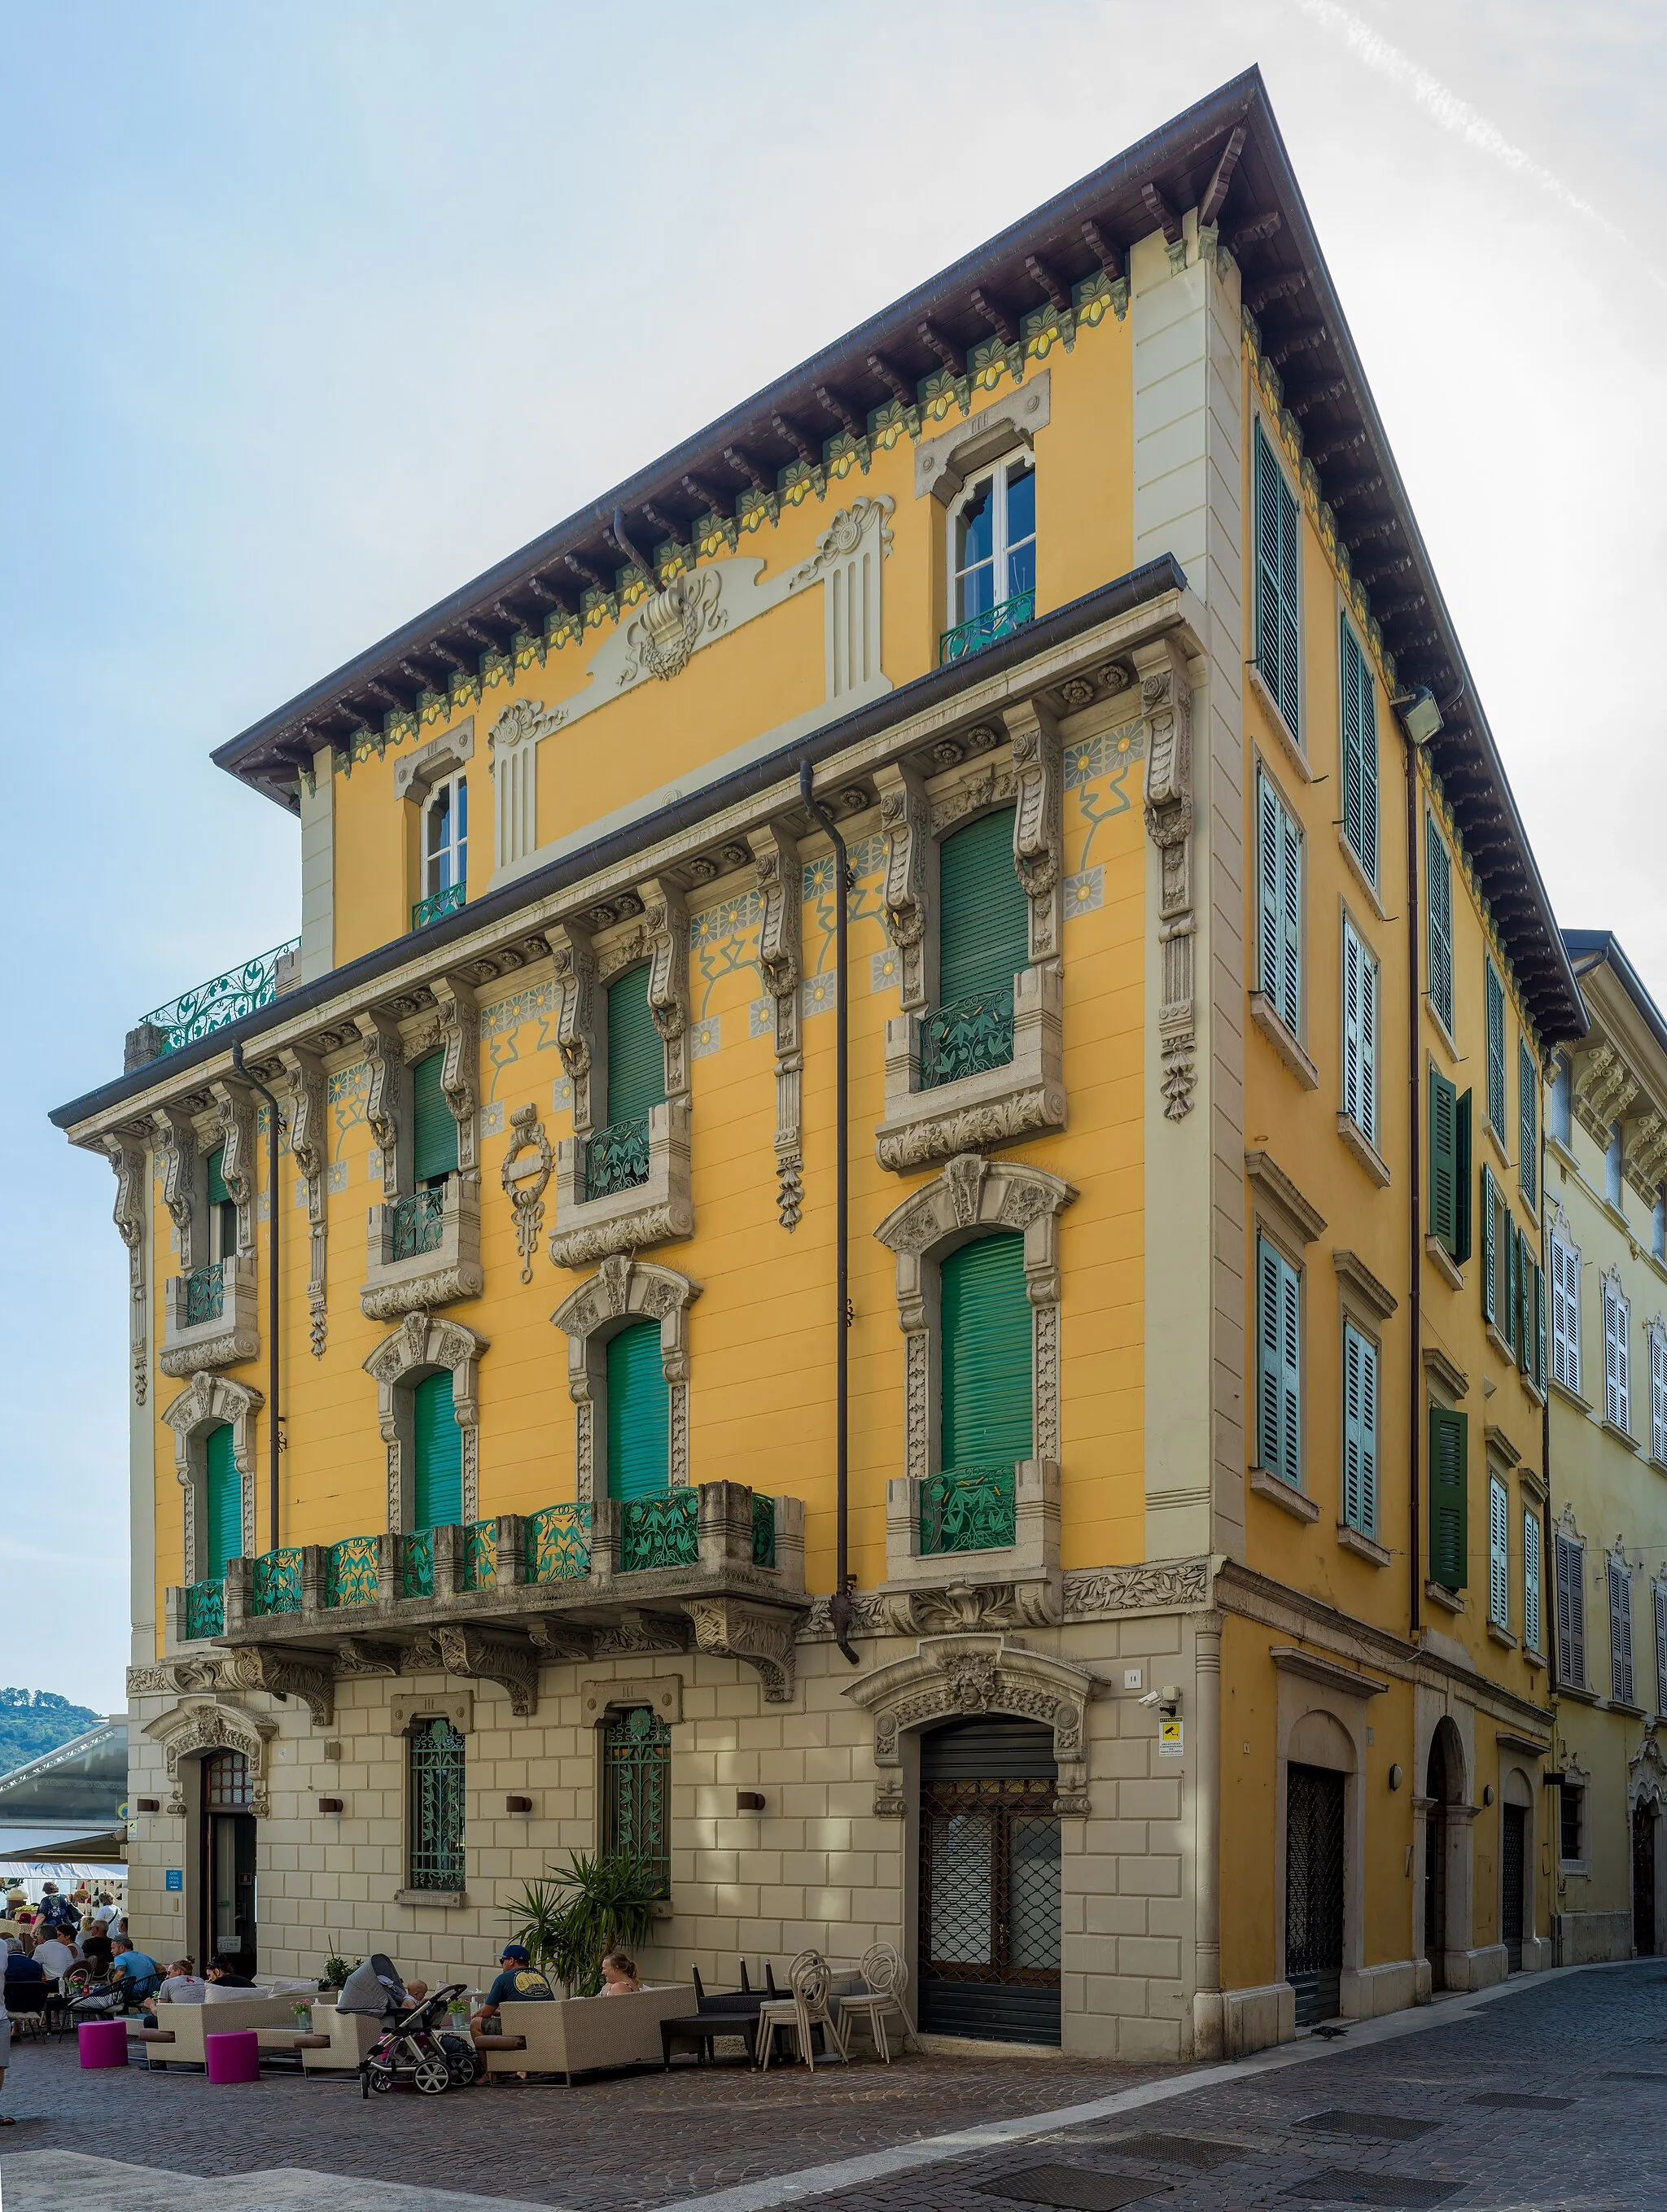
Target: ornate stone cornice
x,y
729,1628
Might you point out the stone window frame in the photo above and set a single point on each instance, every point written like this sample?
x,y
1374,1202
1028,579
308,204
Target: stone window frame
x,y
211,1401
185,1142
416,776
393,1044
425,1345
209,1723
623,1291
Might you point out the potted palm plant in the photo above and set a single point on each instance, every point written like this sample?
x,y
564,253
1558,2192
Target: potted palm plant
x,y
598,1903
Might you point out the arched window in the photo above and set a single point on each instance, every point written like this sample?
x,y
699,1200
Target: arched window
x,y
986,1371
437,1452
638,1414
223,1503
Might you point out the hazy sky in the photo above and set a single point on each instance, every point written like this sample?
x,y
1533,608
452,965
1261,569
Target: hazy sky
x,y
313,312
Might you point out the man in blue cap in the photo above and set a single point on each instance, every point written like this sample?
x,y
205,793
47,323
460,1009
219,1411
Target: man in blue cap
x,y
518,1982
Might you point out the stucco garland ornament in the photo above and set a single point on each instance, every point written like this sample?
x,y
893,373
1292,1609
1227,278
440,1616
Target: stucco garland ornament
x,y
526,1169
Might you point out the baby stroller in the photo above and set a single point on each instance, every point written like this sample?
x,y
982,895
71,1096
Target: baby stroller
x,y
415,2050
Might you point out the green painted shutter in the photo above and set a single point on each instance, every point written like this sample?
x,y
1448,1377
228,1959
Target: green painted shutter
x,y
983,925
1539,1327
1463,1209
218,1193
1525,1273
1279,1365
1490,1274
986,1335
433,1128
224,1485
1508,1319
1449,1498
636,1056
1527,1121
1443,1160
1494,992
639,1413
1360,753
1439,891
1277,616
1359,1431
1279,906
437,1475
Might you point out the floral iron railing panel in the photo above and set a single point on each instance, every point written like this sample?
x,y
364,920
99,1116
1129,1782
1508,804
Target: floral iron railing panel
x,y
969,1509
223,1000
437,1803
616,1158
967,1037
983,629
557,1544
417,1565
659,1532
418,1223
437,906
205,1294
350,1572
764,1530
277,1586
480,1555
205,1609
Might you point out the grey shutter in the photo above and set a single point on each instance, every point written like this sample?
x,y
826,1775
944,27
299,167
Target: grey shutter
x,y
1279,624
1570,1558
1660,1594
1621,1633
1509,1316
1658,1397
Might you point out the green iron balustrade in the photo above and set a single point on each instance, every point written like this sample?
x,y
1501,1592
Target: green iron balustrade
x,y
225,998
437,906
418,1223
205,1609
659,1532
983,629
557,1544
764,1530
617,1157
350,1572
417,1565
480,1555
972,1508
966,1038
205,1294
276,1582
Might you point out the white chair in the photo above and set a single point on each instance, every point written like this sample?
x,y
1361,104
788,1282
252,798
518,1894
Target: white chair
x,y
884,1979
807,2009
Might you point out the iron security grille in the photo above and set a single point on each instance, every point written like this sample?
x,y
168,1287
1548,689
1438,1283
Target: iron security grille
x,y
225,1785
352,1572
617,1157
1314,1891
764,1530
636,1791
205,1609
436,1805
277,1586
989,1905
419,1223
967,1038
205,1294
1513,1823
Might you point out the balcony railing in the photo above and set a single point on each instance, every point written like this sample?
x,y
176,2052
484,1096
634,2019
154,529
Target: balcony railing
x,y
480,1555
416,1223
205,1294
351,1575
967,1037
276,1584
617,1157
971,1509
556,1544
659,1532
417,1565
205,1609
764,1530
437,906
211,1006
983,629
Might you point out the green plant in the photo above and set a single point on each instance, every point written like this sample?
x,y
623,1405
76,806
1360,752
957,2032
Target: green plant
x,y
535,1918
596,1904
337,1969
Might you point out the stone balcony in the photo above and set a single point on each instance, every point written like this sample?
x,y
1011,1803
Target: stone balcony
x,y
424,1250
720,1568
209,1317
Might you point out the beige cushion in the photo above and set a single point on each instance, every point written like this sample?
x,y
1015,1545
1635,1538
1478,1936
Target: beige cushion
x,y
583,2035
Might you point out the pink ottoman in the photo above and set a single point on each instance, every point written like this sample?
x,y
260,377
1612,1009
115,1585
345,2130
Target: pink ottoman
x,y
234,2055
102,2043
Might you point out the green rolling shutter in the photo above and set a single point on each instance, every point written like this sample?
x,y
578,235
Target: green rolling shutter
x,y
223,1486
636,1057
218,1193
639,1414
437,1484
434,1128
1449,1498
986,1334
983,928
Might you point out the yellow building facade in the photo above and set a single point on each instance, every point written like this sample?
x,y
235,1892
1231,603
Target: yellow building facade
x,y
1115,1487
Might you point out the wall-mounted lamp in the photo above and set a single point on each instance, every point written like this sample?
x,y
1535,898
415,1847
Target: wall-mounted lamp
x,y
147,1805
331,1805
518,1804
1487,1793
1420,718
749,1801
1395,1778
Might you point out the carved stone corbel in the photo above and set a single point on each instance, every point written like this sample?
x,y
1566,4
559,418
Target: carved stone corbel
x,y
236,1105
285,1674
477,1653
177,1150
576,1033
776,852
905,821
309,1140
1038,831
665,919
729,1628
1167,706
127,1157
361,1654
384,1058
460,1035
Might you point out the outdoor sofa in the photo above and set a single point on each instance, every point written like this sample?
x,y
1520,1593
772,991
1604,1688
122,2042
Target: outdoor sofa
x,y
587,2035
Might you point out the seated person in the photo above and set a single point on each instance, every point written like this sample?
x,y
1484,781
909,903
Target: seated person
x,y
619,1976
518,1982
220,1977
96,1951
182,1985
136,1973
23,1972
54,1957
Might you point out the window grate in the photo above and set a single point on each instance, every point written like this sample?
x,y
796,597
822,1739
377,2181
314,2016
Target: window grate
x,y
276,1587
636,1793
436,1858
418,1223
968,1509
205,1294
764,1530
617,1157
659,1532
973,1034
227,1784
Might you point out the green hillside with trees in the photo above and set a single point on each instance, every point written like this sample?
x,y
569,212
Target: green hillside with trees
x,y
34,1721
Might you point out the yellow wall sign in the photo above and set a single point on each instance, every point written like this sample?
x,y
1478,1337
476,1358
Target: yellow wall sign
x,y
1170,1739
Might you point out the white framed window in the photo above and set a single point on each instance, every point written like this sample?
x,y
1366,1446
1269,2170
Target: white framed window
x,y
1617,1334
1527,1121
1566,1314
1620,1632
446,835
1570,1557
1658,1591
1499,1554
1533,1596
1562,1101
1359,1431
1439,892
992,538
1359,1033
1495,997
1278,595
1658,1392
1278,905
1614,1166
1278,1364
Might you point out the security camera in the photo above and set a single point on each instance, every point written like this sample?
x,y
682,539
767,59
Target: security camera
x,y
1166,1700
1152,1698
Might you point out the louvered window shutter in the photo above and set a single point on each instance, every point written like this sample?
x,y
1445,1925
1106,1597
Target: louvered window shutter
x,y
1449,1498
1623,1345
1495,1000
1462,1208
1438,869
1290,997
1539,1327
1279,1382
1660,1594
984,916
1615,1319
986,1362
1499,1554
434,1127
1533,1597
1359,1431
218,1193
639,1413
1565,1315
636,1055
1269,933
1527,1121
223,1499
437,1441
1359,1034
1620,1634
1360,754
1571,1611
1658,1398
1490,1287
1279,630
1443,1160
1525,1270
1508,1317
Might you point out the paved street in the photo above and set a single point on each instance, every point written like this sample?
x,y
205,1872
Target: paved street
x,y
1549,2098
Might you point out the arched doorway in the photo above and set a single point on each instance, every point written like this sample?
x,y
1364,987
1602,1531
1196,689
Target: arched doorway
x,y
1644,1877
1444,1786
227,1883
990,1882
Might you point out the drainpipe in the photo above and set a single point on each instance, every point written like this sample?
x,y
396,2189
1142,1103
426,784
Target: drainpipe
x,y
273,1441
840,1606
1414,1156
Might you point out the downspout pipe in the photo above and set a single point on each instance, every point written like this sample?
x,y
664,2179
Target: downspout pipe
x,y
840,1608
274,1441
1415,1202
